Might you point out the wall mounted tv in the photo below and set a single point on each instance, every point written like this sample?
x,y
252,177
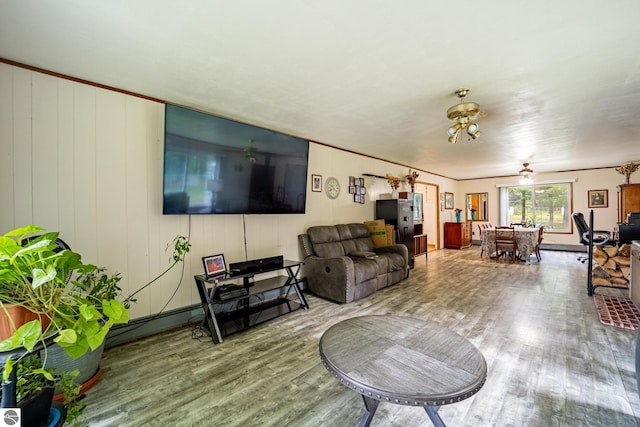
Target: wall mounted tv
x,y
214,165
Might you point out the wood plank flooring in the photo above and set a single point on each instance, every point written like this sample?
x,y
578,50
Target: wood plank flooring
x,y
550,361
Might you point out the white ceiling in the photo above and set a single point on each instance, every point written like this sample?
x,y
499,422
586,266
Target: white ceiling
x,y
558,82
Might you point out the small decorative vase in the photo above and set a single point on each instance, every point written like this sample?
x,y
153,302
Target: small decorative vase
x,y
473,215
394,194
457,216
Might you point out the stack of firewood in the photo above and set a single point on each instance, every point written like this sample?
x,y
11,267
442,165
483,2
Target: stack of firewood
x,y
611,266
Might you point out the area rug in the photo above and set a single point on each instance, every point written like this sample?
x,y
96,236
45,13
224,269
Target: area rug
x,y
617,311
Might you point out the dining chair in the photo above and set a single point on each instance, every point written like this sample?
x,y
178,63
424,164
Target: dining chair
x,y
517,224
480,228
536,249
506,242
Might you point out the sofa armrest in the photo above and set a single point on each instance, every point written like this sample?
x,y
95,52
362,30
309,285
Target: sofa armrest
x,y
305,245
398,249
331,278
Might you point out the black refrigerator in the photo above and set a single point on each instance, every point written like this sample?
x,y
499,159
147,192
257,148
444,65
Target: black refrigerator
x,y
399,213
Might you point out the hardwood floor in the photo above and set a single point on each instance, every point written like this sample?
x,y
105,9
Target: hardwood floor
x,y
550,361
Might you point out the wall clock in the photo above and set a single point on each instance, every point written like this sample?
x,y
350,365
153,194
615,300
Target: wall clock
x,y
332,187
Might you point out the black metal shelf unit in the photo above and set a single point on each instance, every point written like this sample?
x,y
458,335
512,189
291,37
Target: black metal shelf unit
x,y
262,300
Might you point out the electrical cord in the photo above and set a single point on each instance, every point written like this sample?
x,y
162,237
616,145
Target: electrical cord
x,y
198,332
244,233
175,291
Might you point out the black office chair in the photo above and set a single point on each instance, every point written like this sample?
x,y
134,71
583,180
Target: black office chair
x,y
633,218
600,237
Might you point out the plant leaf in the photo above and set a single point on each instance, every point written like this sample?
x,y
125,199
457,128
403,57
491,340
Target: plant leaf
x,y
25,336
115,310
89,312
77,349
22,231
96,340
40,277
44,372
65,337
8,368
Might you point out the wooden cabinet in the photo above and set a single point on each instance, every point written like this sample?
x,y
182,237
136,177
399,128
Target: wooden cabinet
x,y
457,235
419,244
419,240
629,200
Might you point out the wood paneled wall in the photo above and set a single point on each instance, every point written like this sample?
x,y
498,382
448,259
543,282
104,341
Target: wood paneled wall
x,y
87,161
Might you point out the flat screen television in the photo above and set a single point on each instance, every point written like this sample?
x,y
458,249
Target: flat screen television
x,y
214,165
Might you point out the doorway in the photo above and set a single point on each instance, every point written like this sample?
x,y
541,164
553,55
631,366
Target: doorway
x,y
430,213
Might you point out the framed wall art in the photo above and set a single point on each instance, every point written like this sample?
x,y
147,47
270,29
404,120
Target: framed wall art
x,y
316,183
598,198
448,200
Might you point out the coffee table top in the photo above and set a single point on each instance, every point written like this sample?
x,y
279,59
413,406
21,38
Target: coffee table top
x,y
403,360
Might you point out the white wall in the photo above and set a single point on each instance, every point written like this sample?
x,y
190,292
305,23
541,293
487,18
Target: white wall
x,y
595,179
88,162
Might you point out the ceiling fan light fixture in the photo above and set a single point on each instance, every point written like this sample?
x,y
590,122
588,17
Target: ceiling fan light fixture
x,y
526,170
526,173
464,109
526,180
473,130
463,114
454,129
454,138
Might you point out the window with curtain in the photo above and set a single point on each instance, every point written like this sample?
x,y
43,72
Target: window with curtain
x,y
544,204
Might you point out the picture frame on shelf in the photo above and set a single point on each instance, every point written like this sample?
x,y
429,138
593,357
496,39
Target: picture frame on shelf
x,y
598,198
214,265
448,200
316,183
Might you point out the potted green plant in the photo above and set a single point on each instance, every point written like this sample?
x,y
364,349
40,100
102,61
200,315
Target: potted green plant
x,y
34,388
34,277
74,314
34,280
97,285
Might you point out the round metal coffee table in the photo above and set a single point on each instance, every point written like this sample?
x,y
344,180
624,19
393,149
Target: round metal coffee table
x,y
404,361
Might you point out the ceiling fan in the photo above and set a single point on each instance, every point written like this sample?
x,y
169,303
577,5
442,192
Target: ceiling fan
x,y
526,173
465,114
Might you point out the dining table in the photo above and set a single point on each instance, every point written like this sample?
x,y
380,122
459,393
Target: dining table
x,y
526,241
